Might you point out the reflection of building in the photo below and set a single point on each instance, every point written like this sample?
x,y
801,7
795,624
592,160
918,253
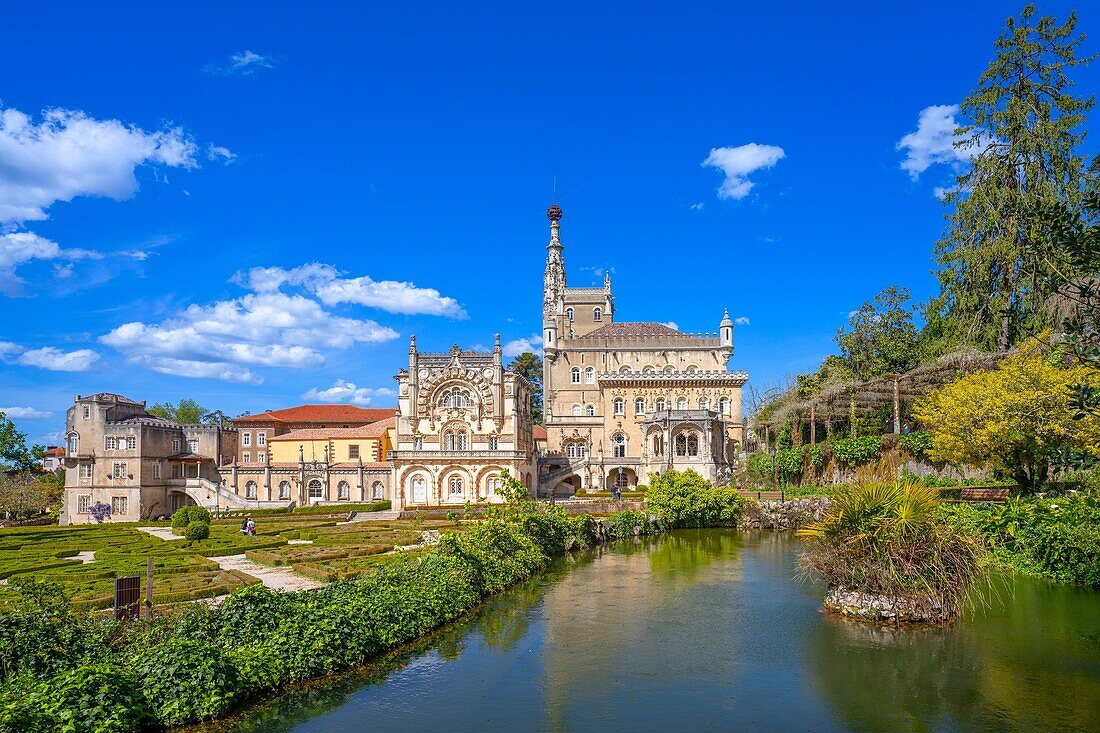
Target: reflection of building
x,y
625,401
118,454
463,419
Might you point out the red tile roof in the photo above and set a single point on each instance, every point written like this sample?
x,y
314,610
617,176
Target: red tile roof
x,y
374,430
640,328
539,432
321,413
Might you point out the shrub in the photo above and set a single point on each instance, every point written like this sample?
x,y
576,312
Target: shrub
x,y
760,467
888,539
186,680
789,463
197,531
188,514
624,523
688,500
815,456
97,698
856,451
916,443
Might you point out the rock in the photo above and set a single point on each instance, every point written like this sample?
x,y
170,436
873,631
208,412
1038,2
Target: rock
x,y
875,607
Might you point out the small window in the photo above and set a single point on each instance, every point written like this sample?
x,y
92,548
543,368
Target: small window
x,y
118,470
284,489
682,403
110,443
576,410
575,375
177,470
418,444
85,470
261,457
590,410
261,438
618,444
493,484
316,490
703,403
246,439
193,445
571,450
639,405
463,441
176,445
87,411
455,486
118,505
724,405
590,375
660,405
131,442
156,469
343,490
83,504
74,444
247,457
620,405
597,314
493,442
569,313
353,452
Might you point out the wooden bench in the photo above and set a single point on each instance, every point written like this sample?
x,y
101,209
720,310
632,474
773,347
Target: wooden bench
x,y
765,495
997,494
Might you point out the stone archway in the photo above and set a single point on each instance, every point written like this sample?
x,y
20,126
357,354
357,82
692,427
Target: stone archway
x,y
622,477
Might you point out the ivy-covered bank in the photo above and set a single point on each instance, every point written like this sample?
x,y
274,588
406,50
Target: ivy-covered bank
x,y
62,670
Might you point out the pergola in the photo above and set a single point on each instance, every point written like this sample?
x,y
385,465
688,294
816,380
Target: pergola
x,y
840,401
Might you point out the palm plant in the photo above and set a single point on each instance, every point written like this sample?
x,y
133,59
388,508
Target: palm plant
x,y
886,538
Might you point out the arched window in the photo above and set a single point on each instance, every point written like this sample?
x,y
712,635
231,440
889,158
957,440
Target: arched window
x,y
582,450
569,314
316,490
621,480
660,406
625,369
703,404
284,489
419,489
590,375
681,445
493,442
455,397
597,314
619,405
682,403
639,405
343,490
449,440
571,450
577,410
377,490
590,410
618,444
492,484
462,440
693,445
74,444
658,445
455,486
575,375
250,490
724,405
418,443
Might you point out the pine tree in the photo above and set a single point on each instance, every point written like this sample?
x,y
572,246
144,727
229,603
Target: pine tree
x,y
1023,134
529,366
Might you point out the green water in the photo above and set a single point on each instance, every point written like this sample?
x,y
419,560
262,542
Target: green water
x,y
709,630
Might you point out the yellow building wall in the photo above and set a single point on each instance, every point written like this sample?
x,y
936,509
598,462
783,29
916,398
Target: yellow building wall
x,y
286,451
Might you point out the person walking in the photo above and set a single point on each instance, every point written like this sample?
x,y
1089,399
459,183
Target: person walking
x,y
251,526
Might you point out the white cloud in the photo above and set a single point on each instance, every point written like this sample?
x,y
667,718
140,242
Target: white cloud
x,y
19,248
69,154
49,357
343,391
326,283
219,341
697,206
742,321
737,163
242,62
54,438
673,325
933,142
25,413
515,347
217,152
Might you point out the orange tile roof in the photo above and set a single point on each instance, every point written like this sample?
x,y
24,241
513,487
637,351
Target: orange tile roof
x,y
539,432
374,430
321,413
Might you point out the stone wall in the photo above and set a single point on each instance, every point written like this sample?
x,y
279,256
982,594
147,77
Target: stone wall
x,y
789,514
875,607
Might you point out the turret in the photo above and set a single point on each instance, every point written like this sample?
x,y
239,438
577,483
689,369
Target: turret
x,y
725,332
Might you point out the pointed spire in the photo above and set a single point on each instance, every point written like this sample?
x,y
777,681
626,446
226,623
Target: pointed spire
x,y
726,318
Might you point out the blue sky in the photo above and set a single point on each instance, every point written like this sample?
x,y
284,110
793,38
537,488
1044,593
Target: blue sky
x,y
167,174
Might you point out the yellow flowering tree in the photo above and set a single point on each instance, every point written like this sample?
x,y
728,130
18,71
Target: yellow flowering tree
x,y
1012,419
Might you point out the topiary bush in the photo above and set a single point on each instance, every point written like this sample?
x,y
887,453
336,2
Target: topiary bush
x,y
187,514
197,531
187,680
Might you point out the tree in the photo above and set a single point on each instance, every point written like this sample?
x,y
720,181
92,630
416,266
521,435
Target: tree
x,y
881,336
529,366
1013,420
185,412
1022,134
13,446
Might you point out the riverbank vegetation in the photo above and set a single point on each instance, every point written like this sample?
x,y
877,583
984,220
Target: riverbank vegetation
x,y
65,670
885,541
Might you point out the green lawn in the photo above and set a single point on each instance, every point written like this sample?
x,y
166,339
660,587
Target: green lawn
x,y
182,572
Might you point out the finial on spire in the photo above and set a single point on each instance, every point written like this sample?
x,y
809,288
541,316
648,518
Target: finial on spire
x,y
726,317
554,213
496,342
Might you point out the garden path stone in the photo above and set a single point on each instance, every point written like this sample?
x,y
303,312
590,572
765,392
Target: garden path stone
x,y
86,557
372,517
275,578
164,534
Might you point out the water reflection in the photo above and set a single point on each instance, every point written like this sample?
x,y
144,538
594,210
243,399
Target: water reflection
x,y
708,630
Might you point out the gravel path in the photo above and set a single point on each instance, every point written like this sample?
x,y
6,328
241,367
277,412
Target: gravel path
x,y
164,534
271,577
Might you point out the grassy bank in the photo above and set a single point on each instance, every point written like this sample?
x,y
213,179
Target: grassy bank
x,y
63,670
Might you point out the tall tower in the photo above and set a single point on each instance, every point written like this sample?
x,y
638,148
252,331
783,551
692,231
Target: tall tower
x,y
553,284
725,332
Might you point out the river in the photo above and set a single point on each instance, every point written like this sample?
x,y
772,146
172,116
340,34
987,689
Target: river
x,y
710,630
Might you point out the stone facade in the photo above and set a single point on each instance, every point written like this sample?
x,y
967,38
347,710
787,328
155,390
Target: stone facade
x,y
626,401
462,420
139,465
